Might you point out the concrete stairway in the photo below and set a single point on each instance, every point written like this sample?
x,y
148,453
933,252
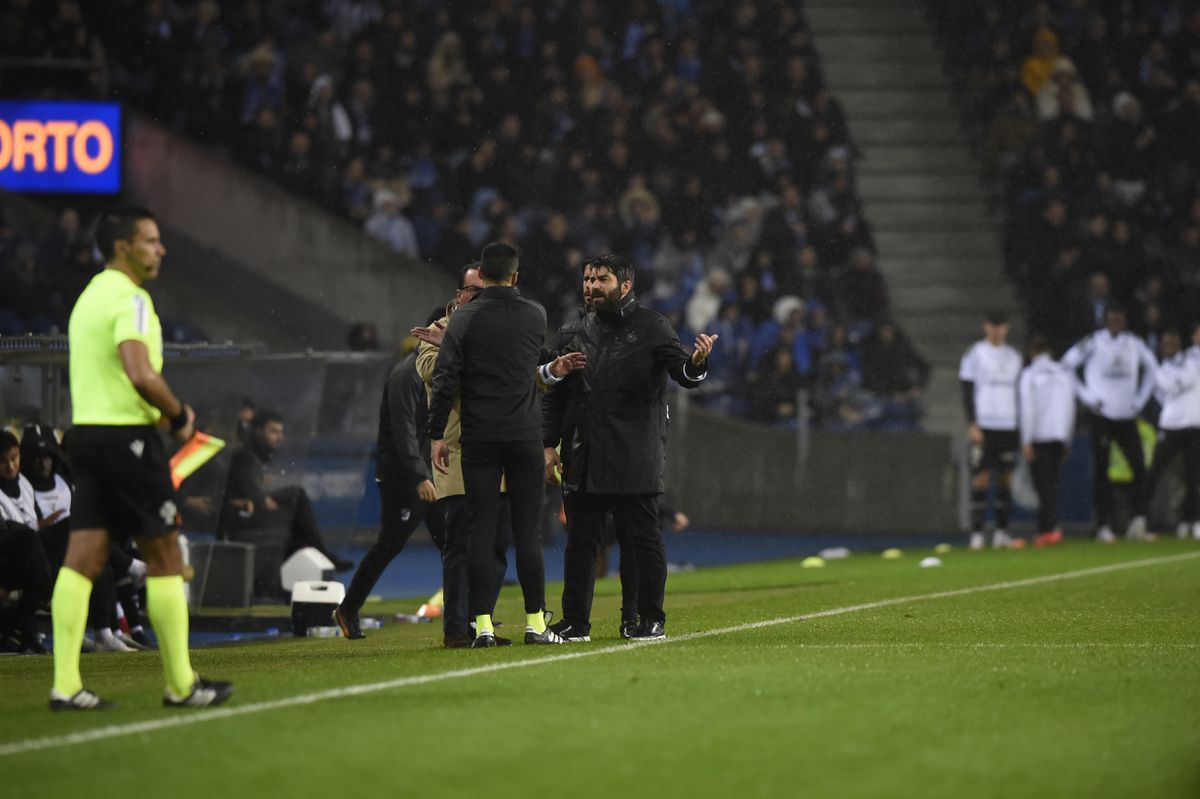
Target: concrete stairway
x,y
939,247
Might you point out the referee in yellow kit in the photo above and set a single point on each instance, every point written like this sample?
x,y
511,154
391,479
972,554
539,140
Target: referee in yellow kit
x,y
123,486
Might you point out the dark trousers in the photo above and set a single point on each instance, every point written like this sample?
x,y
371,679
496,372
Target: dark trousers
x,y
401,511
522,464
1046,468
276,534
1172,443
997,453
456,606
638,532
626,567
24,567
1125,433
102,605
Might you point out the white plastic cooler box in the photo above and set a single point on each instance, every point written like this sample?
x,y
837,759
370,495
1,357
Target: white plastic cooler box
x,y
313,602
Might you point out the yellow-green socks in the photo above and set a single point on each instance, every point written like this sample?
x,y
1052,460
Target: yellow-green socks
x,y
68,614
536,621
167,608
483,625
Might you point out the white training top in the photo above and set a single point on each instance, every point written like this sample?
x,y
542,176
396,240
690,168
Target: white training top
x,y
1177,387
56,499
20,509
1047,398
994,371
1111,384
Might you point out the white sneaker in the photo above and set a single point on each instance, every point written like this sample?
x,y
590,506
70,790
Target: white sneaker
x,y
1105,535
1137,529
978,542
1001,540
1184,530
107,642
1196,530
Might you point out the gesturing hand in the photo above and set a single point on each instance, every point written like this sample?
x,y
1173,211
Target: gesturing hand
x,y
426,491
704,345
553,466
434,334
563,365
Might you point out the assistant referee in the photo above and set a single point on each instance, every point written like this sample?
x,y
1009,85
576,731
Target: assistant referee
x,y
123,488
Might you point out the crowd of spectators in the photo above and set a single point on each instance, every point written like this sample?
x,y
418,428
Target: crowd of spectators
x,y
696,137
1087,114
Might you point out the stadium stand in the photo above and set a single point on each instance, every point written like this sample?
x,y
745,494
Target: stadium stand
x,y
697,138
1086,117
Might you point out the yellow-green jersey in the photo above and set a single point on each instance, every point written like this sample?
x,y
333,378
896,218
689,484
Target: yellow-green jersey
x,y
112,309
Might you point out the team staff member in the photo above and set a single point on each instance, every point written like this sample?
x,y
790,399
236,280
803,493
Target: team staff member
x,y
406,490
1046,396
23,563
989,371
122,481
489,360
1178,391
1115,392
618,453
451,492
555,405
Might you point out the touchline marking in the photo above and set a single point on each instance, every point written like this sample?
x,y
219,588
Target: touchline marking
x,y
188,718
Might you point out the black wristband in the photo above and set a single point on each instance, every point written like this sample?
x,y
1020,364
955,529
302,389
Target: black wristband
x,y
180,421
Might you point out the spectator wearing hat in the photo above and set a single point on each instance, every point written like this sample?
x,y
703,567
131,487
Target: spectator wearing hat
x,y
390,226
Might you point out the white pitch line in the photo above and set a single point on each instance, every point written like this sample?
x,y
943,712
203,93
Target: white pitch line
x,y
187,718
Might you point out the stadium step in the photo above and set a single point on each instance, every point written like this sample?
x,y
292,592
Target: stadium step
x,y
829,20
918,131
925,213
908,159
894,47
917,299
889,187
884,75
869,103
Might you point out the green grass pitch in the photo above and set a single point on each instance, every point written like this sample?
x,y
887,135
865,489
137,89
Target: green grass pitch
x,y
1088,686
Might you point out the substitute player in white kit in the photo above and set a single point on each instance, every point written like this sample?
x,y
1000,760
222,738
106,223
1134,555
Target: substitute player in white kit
x,y
1046,397
1177,387
1118,376
989,373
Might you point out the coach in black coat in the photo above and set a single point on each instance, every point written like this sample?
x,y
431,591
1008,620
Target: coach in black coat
x,y
617,455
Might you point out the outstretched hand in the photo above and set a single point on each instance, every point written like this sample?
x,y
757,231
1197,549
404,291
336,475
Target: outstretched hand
x,y
563,365
434,334
704,345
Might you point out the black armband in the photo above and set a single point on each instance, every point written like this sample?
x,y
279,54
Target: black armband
x,y
179,421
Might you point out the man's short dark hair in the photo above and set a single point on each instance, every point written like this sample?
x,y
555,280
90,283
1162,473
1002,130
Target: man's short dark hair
x,y
1038,344
118,224
1115,307
462,274
264,418
498,261
996,316
617,265
8,441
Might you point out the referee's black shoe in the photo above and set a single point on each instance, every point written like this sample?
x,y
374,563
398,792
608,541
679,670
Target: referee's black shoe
x,y
205,693
629,628
650,629
347,621
82,699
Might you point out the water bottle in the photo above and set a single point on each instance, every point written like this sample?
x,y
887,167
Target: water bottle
x,y
323,632
370,623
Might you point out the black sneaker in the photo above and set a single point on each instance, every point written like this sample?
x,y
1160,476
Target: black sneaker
x,y
547,636
484,641
82,699
143,638
629,628
205,693
650,629
570,633
347,620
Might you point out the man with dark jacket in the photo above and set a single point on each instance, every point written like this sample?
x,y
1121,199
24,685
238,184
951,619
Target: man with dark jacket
x,y
618,452
406,491
278,521
489,360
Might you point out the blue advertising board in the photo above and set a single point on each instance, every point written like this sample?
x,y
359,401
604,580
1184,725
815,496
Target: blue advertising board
x,y
60,147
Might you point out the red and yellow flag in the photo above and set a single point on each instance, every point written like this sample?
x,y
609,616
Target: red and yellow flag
x,y
198,450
